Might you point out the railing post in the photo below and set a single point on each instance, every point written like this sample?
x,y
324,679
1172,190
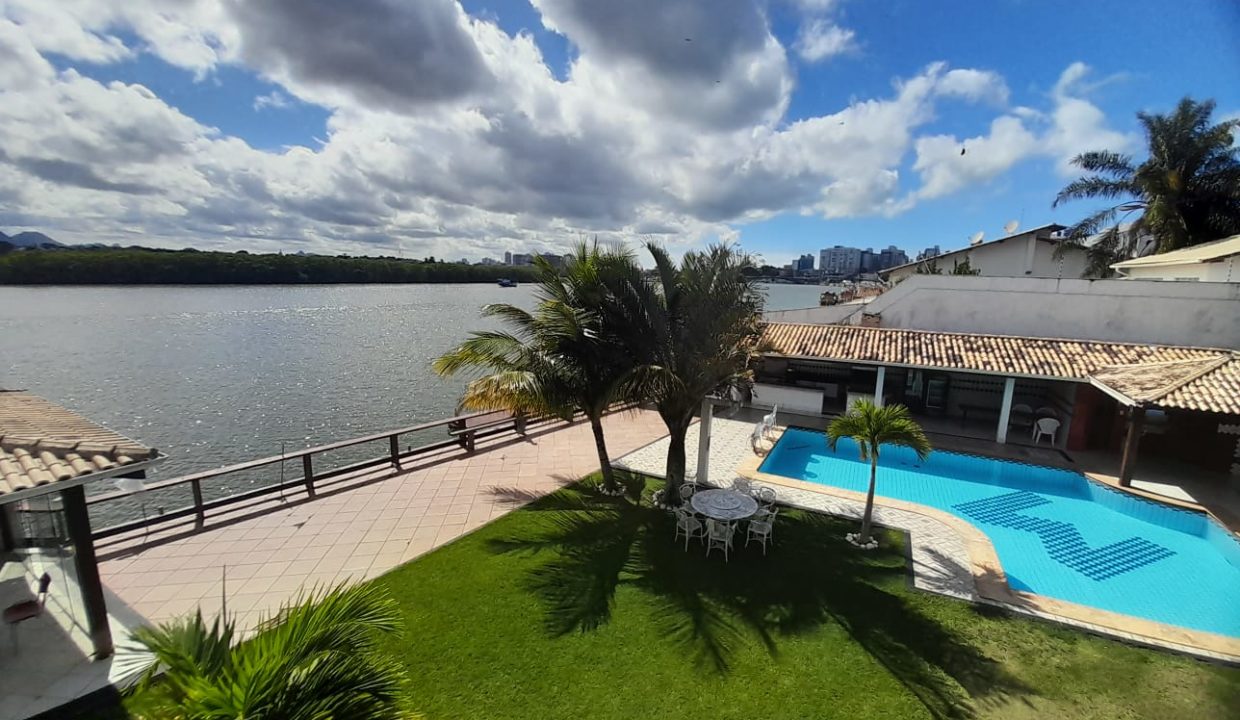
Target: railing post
x,y
394,445
308,469
199,518
468,436
518,423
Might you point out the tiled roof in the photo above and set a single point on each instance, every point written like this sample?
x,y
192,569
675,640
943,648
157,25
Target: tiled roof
x,y
1205,252
1184,377
1211,385
42,442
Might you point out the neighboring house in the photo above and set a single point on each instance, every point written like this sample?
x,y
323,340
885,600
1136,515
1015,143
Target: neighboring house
x,y
1025,254
1145,311
1217,261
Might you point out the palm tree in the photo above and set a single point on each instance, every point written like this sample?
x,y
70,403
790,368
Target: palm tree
x,y
556,360
871,427
316,658
690,331
1186,192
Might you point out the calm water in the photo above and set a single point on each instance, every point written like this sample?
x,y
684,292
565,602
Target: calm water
x,y
216,375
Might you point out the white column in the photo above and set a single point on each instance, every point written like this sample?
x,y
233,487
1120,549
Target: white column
x,y
703,468
878,386
1005,410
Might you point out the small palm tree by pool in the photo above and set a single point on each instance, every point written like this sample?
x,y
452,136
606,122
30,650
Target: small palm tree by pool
x,y
871,427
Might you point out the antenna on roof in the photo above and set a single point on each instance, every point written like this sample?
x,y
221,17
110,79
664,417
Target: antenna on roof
x,y
1011,226
977,237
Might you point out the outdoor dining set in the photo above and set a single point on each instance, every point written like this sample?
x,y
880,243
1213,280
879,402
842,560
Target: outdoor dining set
x,y
713,514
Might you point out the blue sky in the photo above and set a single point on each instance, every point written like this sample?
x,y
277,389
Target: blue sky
x,y
465,129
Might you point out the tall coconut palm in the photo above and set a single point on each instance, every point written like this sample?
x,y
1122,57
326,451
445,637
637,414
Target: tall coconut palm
x,y
316,658
690,331
871,427
556,360
1187,191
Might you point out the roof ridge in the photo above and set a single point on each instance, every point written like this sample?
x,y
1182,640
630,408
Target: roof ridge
x,y
1018,337
1213,366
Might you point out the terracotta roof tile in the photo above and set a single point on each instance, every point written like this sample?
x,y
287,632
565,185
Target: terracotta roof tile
x,y
1190,378
42,442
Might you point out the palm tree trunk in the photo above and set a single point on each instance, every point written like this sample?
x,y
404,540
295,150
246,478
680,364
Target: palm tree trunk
x,y
869,503
675,463
604,461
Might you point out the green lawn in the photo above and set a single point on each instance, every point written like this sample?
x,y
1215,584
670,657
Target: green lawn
x,y
580,606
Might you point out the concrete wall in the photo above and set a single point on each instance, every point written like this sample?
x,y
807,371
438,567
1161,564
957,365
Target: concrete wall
x,y
825,315
1225,271
1016,256
1177,313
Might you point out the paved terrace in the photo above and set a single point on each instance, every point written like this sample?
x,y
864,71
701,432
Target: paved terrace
x,y
358,527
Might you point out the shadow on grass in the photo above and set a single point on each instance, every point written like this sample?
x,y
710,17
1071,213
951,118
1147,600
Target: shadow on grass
x,y
810,578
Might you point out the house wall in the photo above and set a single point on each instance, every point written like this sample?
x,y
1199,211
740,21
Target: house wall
x,y
1016,256
1227,270
1177,313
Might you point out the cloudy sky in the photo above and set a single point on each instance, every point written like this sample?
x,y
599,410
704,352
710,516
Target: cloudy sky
x,y
468,128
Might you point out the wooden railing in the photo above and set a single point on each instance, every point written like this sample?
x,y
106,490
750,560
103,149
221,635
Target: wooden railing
x,y
463,431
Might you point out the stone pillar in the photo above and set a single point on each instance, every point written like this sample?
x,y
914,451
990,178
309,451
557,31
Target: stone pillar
x,y
703,465
878,386
1005,410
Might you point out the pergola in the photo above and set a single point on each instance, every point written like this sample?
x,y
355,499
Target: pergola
x,y
47,450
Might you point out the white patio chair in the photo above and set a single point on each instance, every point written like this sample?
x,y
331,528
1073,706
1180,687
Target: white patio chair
x,y
756,438
1047,427
687,525
687,490
719,535
762,530
768,421
742,485
766,496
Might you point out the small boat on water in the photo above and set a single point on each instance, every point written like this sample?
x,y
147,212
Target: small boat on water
x,y
505,282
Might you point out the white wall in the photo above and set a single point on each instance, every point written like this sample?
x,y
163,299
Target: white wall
x,y
824,315
792,399
1225,271
1009,257
1176,313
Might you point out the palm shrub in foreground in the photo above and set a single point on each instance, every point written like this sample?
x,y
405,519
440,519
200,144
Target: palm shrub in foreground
x,y
871,427
315,659
690,331
556,360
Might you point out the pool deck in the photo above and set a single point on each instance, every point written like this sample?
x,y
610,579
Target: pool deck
x,y
949,555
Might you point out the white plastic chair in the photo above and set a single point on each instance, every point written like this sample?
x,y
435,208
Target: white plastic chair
x,y
768,422
718,535
766,496
687,525
1047,427
687,490
762,530
743,486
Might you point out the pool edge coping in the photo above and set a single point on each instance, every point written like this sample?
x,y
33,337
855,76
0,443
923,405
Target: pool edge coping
x,y
990,580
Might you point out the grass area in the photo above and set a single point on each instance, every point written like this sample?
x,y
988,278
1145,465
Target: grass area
x,y
581,606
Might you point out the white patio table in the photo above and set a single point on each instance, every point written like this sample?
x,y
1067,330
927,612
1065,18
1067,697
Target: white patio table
x,y
724,504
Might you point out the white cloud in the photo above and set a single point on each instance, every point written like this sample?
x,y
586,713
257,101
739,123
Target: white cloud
x,y
671,121
819,39
274,99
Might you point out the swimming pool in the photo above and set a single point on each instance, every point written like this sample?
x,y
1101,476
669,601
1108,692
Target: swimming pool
x,y
1056,533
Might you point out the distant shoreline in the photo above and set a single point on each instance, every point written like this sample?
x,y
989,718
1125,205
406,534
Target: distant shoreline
x,y
141,266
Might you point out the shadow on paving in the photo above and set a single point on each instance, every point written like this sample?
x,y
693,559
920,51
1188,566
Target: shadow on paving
x,y
811,577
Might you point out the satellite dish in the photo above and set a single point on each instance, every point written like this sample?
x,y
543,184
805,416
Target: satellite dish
x,y
129,485
977,237
1010,227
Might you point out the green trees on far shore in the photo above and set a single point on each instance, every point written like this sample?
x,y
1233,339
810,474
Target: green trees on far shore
x,y
142,266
